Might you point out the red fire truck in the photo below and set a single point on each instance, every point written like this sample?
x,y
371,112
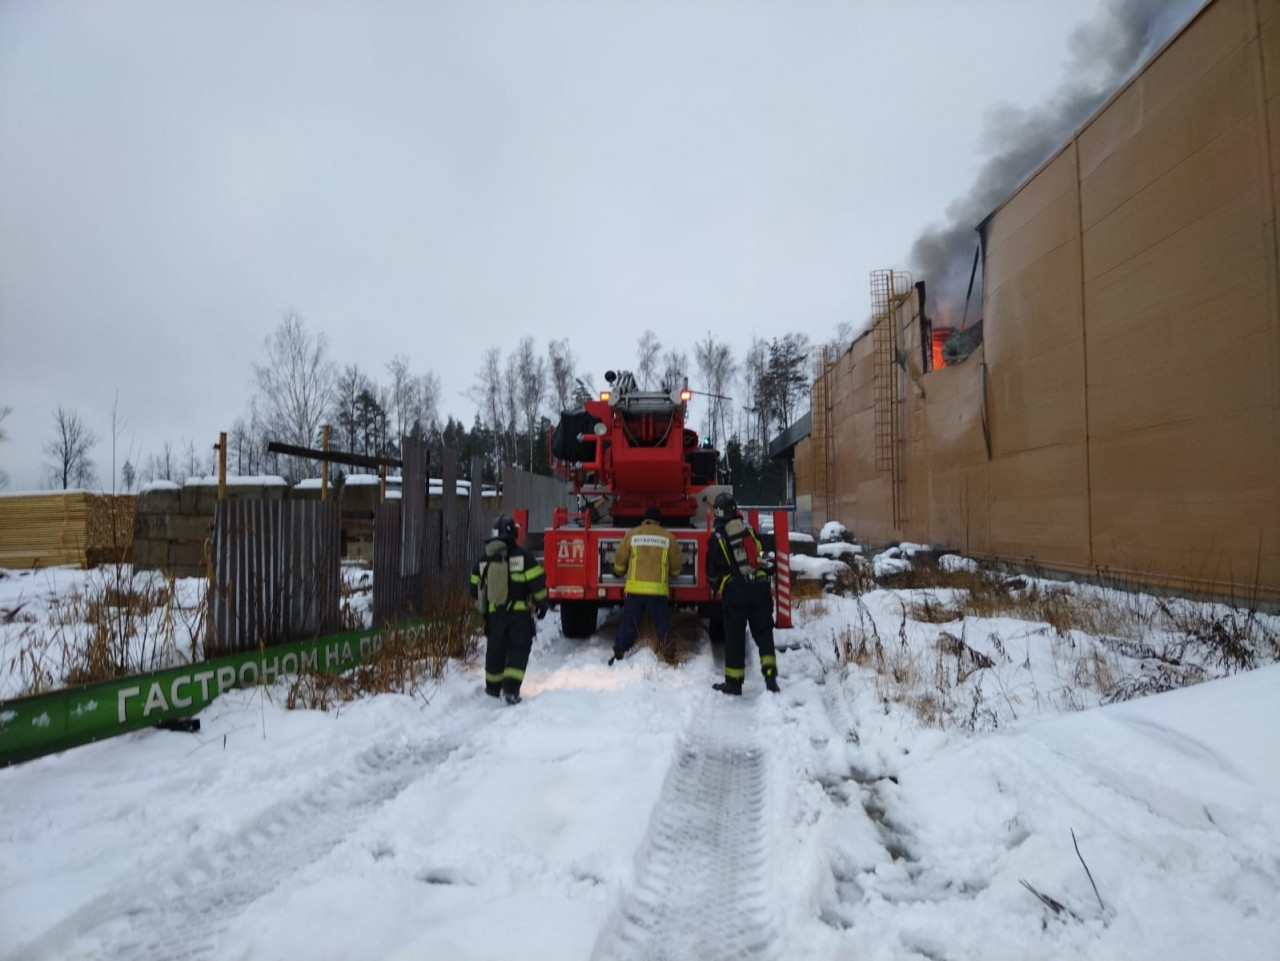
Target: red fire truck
x,y
622,453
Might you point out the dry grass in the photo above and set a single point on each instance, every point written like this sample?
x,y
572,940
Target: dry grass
x,y
123,622
675,654
405,661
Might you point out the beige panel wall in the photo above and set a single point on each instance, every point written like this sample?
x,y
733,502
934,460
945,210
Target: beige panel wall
x,y
1132,350
1034,340
1179,281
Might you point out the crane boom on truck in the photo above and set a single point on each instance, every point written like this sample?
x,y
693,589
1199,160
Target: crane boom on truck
x,y
621,454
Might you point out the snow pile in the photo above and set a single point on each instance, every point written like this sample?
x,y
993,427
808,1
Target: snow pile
x,y
832,532
159,485
800,537
821,568
890,562
953,563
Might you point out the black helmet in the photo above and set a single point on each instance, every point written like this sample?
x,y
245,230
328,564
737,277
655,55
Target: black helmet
x,y
725,506
505,528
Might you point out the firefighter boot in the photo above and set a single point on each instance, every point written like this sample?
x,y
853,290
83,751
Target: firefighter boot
x,y
771,680
730,685
493,690
511,691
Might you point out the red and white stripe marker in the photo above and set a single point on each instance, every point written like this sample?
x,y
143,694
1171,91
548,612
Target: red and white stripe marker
x,y
782,561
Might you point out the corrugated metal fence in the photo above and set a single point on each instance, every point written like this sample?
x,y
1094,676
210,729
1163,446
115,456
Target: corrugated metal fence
x,y
275,573
539,493
421,555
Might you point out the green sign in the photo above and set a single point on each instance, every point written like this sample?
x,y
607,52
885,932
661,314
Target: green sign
x,y
31,727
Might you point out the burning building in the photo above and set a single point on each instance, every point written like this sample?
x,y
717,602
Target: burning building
x,y
1122,408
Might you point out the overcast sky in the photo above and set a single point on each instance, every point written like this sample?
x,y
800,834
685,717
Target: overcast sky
x,y
438,178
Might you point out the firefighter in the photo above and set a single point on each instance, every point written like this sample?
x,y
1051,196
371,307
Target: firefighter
x,y
649,556
509,587
738,571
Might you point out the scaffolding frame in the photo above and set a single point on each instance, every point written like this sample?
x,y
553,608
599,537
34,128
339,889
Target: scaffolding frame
x,y
889,289
820,429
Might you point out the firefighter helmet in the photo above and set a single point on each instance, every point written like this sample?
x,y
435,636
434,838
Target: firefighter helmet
x,y
725,506
505,528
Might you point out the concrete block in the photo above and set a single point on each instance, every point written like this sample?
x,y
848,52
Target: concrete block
x,y
150,526
159,502
189,528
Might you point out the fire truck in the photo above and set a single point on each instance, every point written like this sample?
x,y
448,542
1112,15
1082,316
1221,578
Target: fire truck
x,y
622,453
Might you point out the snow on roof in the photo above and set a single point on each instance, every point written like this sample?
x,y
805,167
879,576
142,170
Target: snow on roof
x,y
72,490
253,480
159,485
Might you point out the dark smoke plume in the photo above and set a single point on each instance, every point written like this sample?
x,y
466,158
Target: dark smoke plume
x,y
1104,53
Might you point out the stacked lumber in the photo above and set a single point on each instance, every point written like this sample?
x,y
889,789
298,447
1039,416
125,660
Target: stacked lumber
x,y
67,527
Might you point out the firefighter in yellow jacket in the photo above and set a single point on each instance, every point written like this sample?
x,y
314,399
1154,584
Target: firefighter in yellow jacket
x,y
649,556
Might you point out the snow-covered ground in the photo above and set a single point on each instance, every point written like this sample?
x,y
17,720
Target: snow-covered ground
x,y
903,795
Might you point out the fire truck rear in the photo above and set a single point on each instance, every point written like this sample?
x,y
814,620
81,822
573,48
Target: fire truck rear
x,y
623,453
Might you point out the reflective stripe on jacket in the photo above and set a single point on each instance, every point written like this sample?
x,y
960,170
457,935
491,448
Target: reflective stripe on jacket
x,y
650,556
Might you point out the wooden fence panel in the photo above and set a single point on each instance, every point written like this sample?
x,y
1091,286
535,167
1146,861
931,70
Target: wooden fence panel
x,y
413,509
388,583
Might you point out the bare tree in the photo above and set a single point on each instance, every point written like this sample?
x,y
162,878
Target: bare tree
x,y
675,368
191,460
246,445
403,388
161,466
533,388
487,393
562,364
755,370
511,404
426,404
351,383
128,475
716,366
118,425
647,351
69,449
4,436
295,383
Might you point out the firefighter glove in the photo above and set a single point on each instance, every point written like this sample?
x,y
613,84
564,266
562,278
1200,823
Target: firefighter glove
x,y
542,611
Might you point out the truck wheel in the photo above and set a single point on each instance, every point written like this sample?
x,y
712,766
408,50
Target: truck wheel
x,y
578,618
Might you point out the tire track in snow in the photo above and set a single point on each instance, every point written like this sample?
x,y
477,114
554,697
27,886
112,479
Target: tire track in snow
x,y
181,913
702,882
